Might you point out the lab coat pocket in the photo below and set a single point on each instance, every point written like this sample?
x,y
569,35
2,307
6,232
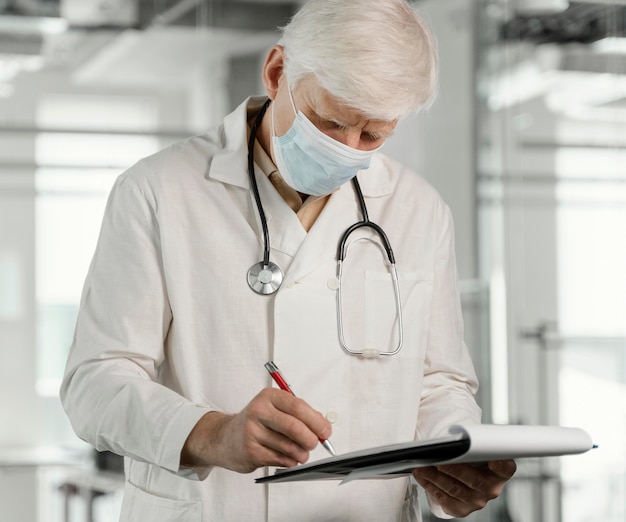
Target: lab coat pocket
x,y
139,505
382,328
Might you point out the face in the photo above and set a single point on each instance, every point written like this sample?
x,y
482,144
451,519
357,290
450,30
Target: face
x,y
342,123
329,115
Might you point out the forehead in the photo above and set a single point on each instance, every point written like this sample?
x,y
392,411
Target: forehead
x,y
318,100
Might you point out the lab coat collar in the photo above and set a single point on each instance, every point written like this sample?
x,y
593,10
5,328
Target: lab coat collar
x,y
231,164
376,181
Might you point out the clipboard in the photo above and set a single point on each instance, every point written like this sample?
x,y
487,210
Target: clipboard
x,y
463,443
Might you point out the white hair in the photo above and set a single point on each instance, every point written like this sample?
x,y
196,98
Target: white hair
x,y
376,56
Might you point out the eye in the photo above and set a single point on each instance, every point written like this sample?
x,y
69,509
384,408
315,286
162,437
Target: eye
x,y
338,125
371,136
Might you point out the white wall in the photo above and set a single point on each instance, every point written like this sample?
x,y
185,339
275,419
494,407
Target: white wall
x,y
439,143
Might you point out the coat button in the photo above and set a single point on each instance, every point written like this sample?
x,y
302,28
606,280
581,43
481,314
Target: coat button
x,y
333,283
332,417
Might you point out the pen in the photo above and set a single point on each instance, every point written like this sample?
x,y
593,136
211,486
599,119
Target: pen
x,y
282,384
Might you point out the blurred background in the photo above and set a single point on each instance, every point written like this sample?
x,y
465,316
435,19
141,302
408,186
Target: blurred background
x,y
526,142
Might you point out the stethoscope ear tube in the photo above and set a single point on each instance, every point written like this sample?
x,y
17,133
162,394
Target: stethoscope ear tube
x,y
368,353
341,249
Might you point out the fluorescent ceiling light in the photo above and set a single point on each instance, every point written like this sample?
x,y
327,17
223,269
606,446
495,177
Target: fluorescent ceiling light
x,y
11,65
542,6
610,45
518,85
32,25
613,3
588,96
586,89
100,12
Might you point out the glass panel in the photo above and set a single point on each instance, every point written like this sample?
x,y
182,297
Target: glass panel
x,y
69,208
551,171
92,150
68,219
592,390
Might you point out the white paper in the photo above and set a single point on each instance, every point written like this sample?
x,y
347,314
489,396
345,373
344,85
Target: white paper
x,y
494,442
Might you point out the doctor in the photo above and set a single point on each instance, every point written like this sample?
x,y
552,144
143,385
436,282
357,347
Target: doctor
x,y
167,363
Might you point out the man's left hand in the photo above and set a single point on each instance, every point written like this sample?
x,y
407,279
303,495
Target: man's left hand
x,y
461,489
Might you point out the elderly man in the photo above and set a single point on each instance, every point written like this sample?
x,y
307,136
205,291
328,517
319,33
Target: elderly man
x,y
179,314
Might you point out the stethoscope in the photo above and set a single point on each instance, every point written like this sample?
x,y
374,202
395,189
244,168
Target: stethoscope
x,y
265,277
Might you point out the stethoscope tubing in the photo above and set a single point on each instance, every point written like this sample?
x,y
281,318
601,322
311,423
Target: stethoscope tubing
x,y
253,183
365,222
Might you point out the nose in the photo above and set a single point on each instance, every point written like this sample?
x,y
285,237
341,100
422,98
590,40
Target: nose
x,y
352,138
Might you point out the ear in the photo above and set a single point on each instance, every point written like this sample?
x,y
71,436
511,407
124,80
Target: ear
x,y
273,70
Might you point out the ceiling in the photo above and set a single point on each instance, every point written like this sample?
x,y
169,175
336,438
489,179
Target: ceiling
x,y
581,22
577,59
149,42
140,14
133,43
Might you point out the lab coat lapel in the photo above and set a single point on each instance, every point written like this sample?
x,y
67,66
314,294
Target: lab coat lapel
x,y
320,244
341,211
231,167
285,230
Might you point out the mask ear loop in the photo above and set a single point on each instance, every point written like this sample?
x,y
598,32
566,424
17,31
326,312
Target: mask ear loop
x,y
293,106
272,126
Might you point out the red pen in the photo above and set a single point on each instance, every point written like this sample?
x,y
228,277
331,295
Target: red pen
x,y
282,384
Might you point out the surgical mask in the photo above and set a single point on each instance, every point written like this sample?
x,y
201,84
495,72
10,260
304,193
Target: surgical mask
x,y
313,163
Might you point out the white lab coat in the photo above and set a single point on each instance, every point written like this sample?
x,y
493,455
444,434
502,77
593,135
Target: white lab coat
x,y
168,330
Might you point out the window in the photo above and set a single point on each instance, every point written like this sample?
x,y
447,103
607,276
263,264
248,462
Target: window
x,y
77,167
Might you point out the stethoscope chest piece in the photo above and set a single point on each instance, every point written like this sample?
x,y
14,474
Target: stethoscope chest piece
x,y
265,278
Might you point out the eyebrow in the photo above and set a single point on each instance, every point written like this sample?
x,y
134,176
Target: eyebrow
x,y
382,134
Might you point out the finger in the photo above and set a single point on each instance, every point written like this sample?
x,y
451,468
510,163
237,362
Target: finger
x,y
274,452
448,498
278,415
299,409
459,482
487,477
289,451
292,429
504,469
243,445
477,478
465,482
253,444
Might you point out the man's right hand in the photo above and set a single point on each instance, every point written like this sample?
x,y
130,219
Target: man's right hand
x,y
274,429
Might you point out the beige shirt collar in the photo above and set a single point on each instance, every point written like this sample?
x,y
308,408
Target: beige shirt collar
x,y
307,211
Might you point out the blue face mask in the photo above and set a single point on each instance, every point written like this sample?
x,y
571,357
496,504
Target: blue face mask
x,y
313,163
